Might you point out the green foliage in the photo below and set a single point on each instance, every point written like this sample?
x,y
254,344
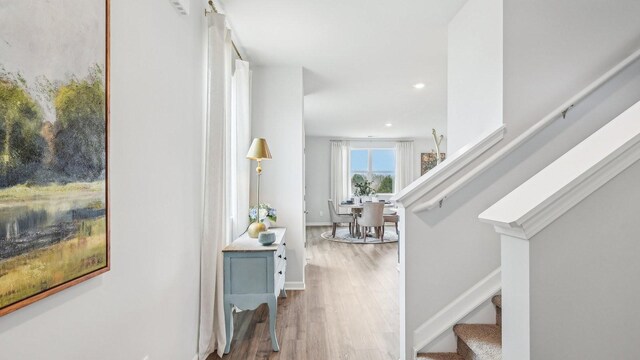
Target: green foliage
x,y
21,145
379,184
357,178
386,185
30,192
79,141
363,187
69,148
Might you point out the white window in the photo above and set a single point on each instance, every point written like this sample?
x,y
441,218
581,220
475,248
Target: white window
x,y
375,165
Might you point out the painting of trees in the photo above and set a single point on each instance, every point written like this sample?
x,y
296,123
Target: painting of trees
x,y
54,83
79,131
21,144
36,151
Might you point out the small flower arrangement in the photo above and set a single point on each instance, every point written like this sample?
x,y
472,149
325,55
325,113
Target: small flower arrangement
x,y
266,212
364,188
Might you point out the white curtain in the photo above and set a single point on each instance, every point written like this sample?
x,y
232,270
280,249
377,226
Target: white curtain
x,y
227,56
404,165
340,181
215,232
241,140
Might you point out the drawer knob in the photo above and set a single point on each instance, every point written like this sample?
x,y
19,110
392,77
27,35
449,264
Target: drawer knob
x,y
280,272
284,244
285,258
280,256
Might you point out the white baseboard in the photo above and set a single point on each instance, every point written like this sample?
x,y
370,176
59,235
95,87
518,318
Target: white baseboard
x,y
294,285
319,224
456,310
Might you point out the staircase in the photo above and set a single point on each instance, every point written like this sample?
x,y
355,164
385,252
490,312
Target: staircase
x,y
440,222
475,341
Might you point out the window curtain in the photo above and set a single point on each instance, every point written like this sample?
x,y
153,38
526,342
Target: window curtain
x,y
215,232
339,174
404,165
241,140
230,151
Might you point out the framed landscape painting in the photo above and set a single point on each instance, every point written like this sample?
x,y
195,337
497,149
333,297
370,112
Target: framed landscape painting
x,y
54,122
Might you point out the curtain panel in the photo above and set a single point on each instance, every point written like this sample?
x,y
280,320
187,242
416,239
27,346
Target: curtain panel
x,y
216,225
339,174
404,165
240,142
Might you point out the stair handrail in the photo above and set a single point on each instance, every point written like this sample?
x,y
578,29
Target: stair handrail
x,y
568,180
561,111
449,167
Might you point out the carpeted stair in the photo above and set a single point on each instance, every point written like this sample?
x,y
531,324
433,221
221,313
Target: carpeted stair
x,y
475,341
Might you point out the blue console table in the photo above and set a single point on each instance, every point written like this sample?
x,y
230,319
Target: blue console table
x,y
254,274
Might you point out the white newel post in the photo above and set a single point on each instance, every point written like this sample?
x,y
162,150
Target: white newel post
x,y
515,298
402,285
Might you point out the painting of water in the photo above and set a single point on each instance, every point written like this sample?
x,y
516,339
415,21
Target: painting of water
x,y
54,121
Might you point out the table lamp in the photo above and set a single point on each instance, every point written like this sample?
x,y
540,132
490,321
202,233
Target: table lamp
x,y
258,151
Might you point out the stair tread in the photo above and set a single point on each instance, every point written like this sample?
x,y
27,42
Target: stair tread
x,y
484,340
439,356
497,301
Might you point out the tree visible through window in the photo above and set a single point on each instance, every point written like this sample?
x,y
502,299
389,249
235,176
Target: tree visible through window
x,y
375,165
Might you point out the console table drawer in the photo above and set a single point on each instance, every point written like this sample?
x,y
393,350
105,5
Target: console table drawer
x,y
248,275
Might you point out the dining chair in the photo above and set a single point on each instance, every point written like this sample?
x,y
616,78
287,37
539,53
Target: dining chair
x,y
340,219
392,218
372,217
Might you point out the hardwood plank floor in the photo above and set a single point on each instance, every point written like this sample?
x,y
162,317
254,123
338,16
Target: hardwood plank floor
x,y
349,309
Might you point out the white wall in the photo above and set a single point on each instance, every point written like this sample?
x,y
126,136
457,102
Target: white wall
x,y
277,108
318,151
148,302
584,270
553,49
474,69
317,179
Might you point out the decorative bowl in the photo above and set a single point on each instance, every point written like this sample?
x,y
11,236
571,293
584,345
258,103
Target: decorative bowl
x,y
267,238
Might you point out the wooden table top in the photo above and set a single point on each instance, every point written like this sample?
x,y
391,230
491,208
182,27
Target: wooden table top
x,y
247,244
360,206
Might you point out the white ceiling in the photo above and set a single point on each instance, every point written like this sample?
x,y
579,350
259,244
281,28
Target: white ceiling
x,y
360,59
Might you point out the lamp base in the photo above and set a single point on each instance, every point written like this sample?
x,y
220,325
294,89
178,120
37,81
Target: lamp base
x,y
255,229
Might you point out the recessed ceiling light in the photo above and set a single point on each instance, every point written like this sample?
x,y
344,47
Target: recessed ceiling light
x,y
419,85
388,124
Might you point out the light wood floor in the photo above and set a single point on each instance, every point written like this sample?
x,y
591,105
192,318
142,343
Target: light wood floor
x,y
349,309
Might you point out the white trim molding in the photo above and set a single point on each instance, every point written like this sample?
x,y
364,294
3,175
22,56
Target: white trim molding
x,y
516,319
321,223
294,285
451,314
449,167
570,179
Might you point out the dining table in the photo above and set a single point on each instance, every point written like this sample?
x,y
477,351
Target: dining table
x,y
356,209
